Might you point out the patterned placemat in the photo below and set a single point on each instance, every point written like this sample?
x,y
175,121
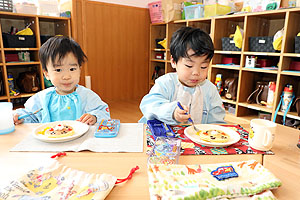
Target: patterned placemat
x,y
188,147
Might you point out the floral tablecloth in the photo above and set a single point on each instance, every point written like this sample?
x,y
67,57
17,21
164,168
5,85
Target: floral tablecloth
x,y
188,147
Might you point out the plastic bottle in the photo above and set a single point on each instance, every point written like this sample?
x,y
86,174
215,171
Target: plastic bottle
x,y
271,94
218,83
12,89
11,84
287,97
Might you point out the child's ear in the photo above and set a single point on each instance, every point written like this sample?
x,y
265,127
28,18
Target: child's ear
x,y
173,62
46,74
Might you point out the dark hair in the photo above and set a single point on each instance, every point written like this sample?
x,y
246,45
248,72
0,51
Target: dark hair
x,y
60,46
187,38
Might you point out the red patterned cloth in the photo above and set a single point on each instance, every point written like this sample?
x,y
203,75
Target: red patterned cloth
x,y
188,147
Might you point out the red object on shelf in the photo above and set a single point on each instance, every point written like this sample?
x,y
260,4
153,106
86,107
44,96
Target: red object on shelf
x,y
228,60
11,58
295,65
159,56
264,63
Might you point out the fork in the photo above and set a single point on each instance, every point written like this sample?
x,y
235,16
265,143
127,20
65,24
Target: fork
x,y
27,115
189,119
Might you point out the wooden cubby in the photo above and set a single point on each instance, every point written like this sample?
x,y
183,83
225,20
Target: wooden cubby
x,y
41,26
258,24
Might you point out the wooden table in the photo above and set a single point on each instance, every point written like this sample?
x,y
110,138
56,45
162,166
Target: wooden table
x,y
285,164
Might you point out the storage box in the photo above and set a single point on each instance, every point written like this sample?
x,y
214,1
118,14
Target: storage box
x,y
48,7
12,57
6,5
194,11
297,44
295,65
159,56
216,9
265,62
261,44
228,44
229,60
155,12
18,41
44,38
26,8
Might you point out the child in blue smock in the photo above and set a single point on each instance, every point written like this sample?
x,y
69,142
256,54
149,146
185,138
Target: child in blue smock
x,y
61,58
191,51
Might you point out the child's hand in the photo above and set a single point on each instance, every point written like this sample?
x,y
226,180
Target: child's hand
x,y
16,121
88,119
181,115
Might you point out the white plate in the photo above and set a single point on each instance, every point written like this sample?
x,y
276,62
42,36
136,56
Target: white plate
x,y
191,134
79,128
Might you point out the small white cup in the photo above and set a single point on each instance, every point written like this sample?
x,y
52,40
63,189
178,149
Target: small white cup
x,y
6,118
262,134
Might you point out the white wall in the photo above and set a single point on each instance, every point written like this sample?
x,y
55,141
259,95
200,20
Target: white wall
x,y
135,3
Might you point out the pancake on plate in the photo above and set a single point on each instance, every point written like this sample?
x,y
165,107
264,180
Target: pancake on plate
x,y
216,136
58,131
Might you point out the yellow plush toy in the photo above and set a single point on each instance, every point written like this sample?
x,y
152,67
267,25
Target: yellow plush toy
x,y
26,31
277,40
163,43
238,37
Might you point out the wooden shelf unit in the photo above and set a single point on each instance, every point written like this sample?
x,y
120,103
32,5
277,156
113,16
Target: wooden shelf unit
x,y
41,26
265,23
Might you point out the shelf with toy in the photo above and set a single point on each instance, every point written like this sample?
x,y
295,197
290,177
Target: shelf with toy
x,y
230,61
224,31
21,57
30,28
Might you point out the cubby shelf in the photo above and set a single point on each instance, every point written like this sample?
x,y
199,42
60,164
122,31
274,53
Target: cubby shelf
x,y
265,23
41,26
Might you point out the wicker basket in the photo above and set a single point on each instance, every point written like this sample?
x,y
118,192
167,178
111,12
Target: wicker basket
x,y
6,5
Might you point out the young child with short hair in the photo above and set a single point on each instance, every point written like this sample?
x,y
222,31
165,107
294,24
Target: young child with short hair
x,y
191,51
61,58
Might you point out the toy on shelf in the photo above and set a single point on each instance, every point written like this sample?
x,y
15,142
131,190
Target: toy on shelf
x,y
107,128
13,91
160,129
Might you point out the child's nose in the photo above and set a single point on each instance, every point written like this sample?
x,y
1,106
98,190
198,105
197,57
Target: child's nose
x,y
196,72
66,76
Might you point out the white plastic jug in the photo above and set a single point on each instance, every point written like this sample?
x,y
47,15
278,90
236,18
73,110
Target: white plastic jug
x,y
6,118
